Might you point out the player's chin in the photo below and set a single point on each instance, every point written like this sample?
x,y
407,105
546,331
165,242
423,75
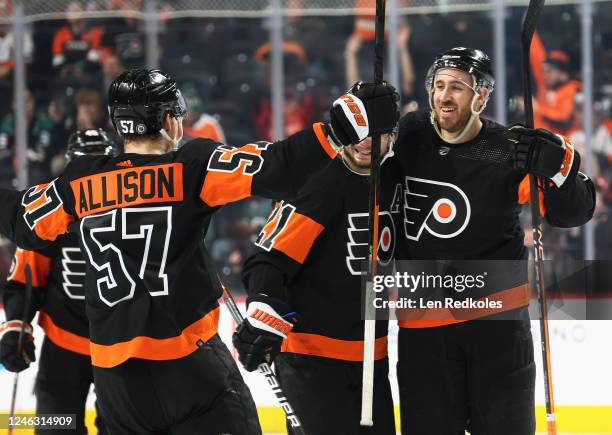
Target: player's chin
x,y
450,125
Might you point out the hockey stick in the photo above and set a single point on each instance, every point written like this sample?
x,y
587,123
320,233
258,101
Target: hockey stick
x,y
24,318
369,329
527,30
265,369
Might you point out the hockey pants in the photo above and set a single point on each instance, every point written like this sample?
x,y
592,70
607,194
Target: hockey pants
x,y
477,375
326,394
200,394
62,386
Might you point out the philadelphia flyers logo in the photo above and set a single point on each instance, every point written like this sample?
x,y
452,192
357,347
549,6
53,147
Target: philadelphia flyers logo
x,y
357,246
441,209
73,273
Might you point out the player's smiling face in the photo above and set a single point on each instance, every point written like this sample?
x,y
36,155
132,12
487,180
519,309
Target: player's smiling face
x,y
452,98
358,156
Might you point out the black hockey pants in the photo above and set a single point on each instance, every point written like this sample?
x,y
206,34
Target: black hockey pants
x,y
326,394
200,394
62,385
477,375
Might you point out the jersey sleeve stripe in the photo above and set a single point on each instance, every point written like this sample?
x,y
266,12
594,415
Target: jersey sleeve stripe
x,y
63,338
53,225
511,299
222,188
40,267
524,195
158,349
297,237
320,345
322,137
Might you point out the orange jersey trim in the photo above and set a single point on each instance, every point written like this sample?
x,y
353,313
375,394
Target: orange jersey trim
x,y
320,345
53,225
224,186
296,239
512,298
40,266
524,195
157,349
322,137
127,187
63,338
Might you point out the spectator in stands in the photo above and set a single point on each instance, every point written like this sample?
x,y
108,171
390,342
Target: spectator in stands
x,y
111,68
125,36
197,123
77,45
554,103
7,54
301,104
90,113
40,142
357,66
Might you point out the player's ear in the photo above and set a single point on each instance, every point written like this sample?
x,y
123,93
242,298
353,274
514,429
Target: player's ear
x,y
483,97
168,122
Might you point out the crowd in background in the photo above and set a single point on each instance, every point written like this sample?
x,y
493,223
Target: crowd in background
x,y
223,67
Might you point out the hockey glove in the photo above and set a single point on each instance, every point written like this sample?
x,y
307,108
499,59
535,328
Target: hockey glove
x,y
366,109
258,339
9,336
540,152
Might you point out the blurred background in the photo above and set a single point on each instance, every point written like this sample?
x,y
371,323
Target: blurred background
x,y
264,69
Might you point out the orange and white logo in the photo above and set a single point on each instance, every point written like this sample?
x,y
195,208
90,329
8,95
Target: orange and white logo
x,y
441,209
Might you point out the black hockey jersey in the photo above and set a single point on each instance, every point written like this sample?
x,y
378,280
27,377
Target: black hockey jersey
x,y
58,288
312,255
139,218
462,202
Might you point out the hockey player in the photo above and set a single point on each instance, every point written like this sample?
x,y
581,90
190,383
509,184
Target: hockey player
x,y
304,287
465,180
159,365
58,292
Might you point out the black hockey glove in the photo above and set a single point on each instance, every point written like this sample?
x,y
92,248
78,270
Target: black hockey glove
x,y
366,109
540,152
258,339
9,336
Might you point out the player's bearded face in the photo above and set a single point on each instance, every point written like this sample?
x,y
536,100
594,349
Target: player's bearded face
x,y
452,98
359,155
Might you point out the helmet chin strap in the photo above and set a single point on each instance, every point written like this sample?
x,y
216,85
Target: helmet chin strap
x,y
166,136
473,117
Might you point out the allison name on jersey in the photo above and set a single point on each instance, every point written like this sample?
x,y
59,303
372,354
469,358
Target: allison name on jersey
x,y
140,218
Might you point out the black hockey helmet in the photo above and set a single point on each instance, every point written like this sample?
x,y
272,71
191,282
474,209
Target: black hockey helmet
x,y
139,99
89,142
472,61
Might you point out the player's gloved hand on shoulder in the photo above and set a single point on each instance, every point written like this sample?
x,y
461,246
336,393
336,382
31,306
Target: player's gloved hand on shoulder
x,y
543,153
9,337
258,339
366,109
